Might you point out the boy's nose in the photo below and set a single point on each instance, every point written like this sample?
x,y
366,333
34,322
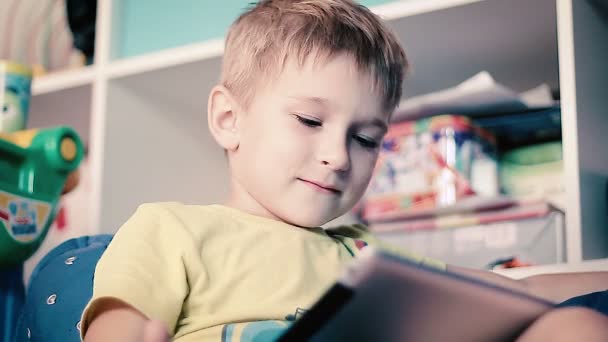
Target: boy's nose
x,y
335,157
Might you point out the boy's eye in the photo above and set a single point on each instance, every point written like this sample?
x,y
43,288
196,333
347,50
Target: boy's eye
x,y
308,121
366,141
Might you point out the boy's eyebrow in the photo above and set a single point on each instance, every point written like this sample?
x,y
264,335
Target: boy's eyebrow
x,y
380,124
314,99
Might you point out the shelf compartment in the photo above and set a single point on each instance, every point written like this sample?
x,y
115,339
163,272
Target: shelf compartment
x,y
538,240
62,80
69,106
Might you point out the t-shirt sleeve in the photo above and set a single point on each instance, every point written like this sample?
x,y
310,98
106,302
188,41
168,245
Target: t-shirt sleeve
x,y
143,267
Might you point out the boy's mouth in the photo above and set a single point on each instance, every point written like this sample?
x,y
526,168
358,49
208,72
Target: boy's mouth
x,y
324,188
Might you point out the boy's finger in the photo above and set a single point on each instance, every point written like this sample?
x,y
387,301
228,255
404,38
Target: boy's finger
x,y
155,331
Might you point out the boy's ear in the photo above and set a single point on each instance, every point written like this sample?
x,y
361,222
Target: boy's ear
x,y
222,117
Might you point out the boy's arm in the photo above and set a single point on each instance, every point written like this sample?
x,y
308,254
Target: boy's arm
x,y
115,321
561,286
141,275
118,321
553,287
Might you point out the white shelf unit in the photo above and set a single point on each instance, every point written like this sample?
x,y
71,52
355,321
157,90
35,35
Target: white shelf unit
x,y
63,80
144,118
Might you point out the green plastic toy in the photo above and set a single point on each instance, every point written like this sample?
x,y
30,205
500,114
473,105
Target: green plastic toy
x,y
34,166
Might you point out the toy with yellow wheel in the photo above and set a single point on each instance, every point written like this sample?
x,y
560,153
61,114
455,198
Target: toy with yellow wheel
x,y
34,167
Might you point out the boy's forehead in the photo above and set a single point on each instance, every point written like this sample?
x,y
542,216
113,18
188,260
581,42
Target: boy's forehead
x,y
338,70
322,81
319,61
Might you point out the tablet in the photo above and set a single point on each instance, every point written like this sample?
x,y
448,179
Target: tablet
x,y
383,297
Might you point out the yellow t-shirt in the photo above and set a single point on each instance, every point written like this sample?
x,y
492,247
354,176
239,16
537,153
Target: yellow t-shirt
x,y
213,273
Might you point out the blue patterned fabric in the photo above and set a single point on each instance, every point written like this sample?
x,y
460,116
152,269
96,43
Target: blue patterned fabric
x,y
597,301
60,287
12,297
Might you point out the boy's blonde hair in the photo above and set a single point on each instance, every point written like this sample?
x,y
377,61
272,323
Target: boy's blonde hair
x,y
261,40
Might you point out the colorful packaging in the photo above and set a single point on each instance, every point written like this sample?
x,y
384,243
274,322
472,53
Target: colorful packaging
x,y
15,93
429,164
534,172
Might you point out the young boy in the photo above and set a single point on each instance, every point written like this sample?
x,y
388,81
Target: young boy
x,y
305,98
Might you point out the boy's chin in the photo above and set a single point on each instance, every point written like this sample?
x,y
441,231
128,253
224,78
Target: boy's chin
x,y
309,219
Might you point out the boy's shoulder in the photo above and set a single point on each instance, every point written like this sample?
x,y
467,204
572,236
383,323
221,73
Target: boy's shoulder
x,y
175,209
198,217
172,215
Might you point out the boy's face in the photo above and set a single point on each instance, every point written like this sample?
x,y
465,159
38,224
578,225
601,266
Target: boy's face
x,y
308,143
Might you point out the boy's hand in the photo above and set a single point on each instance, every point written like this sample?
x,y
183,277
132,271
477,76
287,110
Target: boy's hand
x,y
118,321
155,331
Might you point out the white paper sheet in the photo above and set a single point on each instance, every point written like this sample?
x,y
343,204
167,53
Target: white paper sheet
x,y
479,95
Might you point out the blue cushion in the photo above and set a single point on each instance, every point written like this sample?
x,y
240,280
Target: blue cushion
x,y
12,297
60,287
596,300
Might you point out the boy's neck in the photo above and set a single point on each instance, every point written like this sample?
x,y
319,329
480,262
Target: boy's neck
x,y
241,200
